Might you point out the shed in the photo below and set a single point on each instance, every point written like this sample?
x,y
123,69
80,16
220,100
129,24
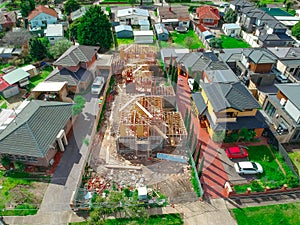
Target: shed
x,y
6,52
124,31
17,76
207,35
52,91
31,69
7,90
142,193
231,29
54,32
144,24
143,36
161,32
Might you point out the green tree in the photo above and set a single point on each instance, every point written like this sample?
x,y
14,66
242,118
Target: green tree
x,y
26,7
189,41
296,30
288,6
5,161
71,6
196,82
230,16
95,29
216,42
59,48
133,2
73,29
37,50
19,166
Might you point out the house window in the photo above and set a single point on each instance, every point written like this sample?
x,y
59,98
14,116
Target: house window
x,y
32,159
291,70
20,158
270,109
208,20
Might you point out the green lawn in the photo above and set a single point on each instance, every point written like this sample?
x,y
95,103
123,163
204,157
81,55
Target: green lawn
x,y
39,78
165,219
180,40
287,214
272,1
125,41
295,157
230,42
272,176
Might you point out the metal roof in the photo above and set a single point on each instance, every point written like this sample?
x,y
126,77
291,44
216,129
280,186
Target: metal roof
x,y
122,28
231,26
132,11
291,91
15,76
54,30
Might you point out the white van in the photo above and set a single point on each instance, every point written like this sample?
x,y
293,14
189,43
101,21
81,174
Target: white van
x,y
97,85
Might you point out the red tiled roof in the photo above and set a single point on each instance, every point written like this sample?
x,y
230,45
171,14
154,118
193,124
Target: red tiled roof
x,y
41,9
3,84
201,27
208,12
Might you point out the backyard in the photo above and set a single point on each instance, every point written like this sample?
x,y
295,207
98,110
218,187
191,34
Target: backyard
x,y
179,40
274,168
295,157
272,214
20,193
124,41
230,42
34,81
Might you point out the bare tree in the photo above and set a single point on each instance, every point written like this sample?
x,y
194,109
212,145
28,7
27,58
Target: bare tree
x,y
17,38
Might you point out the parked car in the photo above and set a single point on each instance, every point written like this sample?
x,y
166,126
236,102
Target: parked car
x,y
191,83
97,85
248,167
281,78
236,152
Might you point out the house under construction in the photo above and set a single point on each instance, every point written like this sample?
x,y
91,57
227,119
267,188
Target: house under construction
x,y
134,53
146,127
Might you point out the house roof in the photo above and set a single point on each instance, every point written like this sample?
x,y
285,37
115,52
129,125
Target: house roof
x,y
231,26
221,76
174,52
78,13
49,86
41,9
291,91
275,24
229,95
76,54
7,17
160,29
15,76
275,37
275,11
201,27
285,52
259,56
144,22
72,78
180,13
54,30
143,33
122,28
231,55
3,84
199,102
35,128
208,12
241,3
132,11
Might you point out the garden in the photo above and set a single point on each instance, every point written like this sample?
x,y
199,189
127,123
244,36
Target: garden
x,y
231,42
295,157
271,214
276,172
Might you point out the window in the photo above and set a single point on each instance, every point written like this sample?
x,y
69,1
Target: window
x,y
20,158
270,109
208,20
32,159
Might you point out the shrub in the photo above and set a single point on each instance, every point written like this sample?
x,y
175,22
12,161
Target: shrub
x,y
5,161
232,137
19,166
292,181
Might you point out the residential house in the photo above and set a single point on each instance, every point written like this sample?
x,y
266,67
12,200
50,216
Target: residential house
x,y
35,131
54,32
124,31
143,36
169,55
78,13
228,107
41,16
282,16
76,67
131,16
231,57
161,32
203,34
208,16
7,90
237,5
7,20
283,110
231,29
288,61
144,24
17,76
174,16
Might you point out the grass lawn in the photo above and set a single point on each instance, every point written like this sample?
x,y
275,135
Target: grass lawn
x,y
288,214
230,42
295,157
179,40
271,1
34,81
125,41
272,176
165,219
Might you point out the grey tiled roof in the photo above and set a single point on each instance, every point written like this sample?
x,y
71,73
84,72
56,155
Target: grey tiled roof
x,y
275,37
231,55
199,102
73,78
229,95
35,128
291,91
259,56
285,52
76,54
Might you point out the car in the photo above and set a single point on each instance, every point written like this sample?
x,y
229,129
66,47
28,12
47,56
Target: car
x,y
97,85
248,167
236,152
281,78
191,83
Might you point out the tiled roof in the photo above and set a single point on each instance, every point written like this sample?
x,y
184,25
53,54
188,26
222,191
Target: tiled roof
x,y
76,54
208,12
35,128
199,101
174,12
285,52
72,78
42,9
291,91
3,84
275,37
259,56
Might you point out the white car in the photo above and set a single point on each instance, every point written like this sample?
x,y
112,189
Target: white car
x,y
248,167
281,78
191,83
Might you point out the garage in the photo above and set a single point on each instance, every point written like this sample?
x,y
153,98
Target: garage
x,y
143,36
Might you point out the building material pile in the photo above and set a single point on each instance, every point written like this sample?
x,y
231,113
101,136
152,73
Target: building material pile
x,y
97,184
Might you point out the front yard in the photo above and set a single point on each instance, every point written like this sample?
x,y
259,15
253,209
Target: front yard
x,y
179,40
265,215
274,169
230,42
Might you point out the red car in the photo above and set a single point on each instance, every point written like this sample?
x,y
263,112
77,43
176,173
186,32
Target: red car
x,y
236,152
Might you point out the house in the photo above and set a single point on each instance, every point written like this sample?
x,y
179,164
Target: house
x,y
283,110
54,32
275,40
17,76
208,16
7,90
41,16
169,55
282,16
7,20
124,31
231,29
288,61
131,16
174,16
75,67
228,108
25,137
225,75
237,5
78,13
161,32
144,24
8,53
31,69
143,36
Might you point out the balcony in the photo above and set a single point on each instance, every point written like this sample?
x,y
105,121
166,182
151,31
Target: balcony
x,y
225,119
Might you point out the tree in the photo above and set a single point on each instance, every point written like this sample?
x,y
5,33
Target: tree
x,y
26,7
296,30
5,161
189,42
19,166
17,38
71,6
196,83
132,2
37,50
230,16
216,42
95,29
73,29
59,48
288,6
78,106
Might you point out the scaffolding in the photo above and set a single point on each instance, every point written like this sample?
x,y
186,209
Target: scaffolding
x,y
138,53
